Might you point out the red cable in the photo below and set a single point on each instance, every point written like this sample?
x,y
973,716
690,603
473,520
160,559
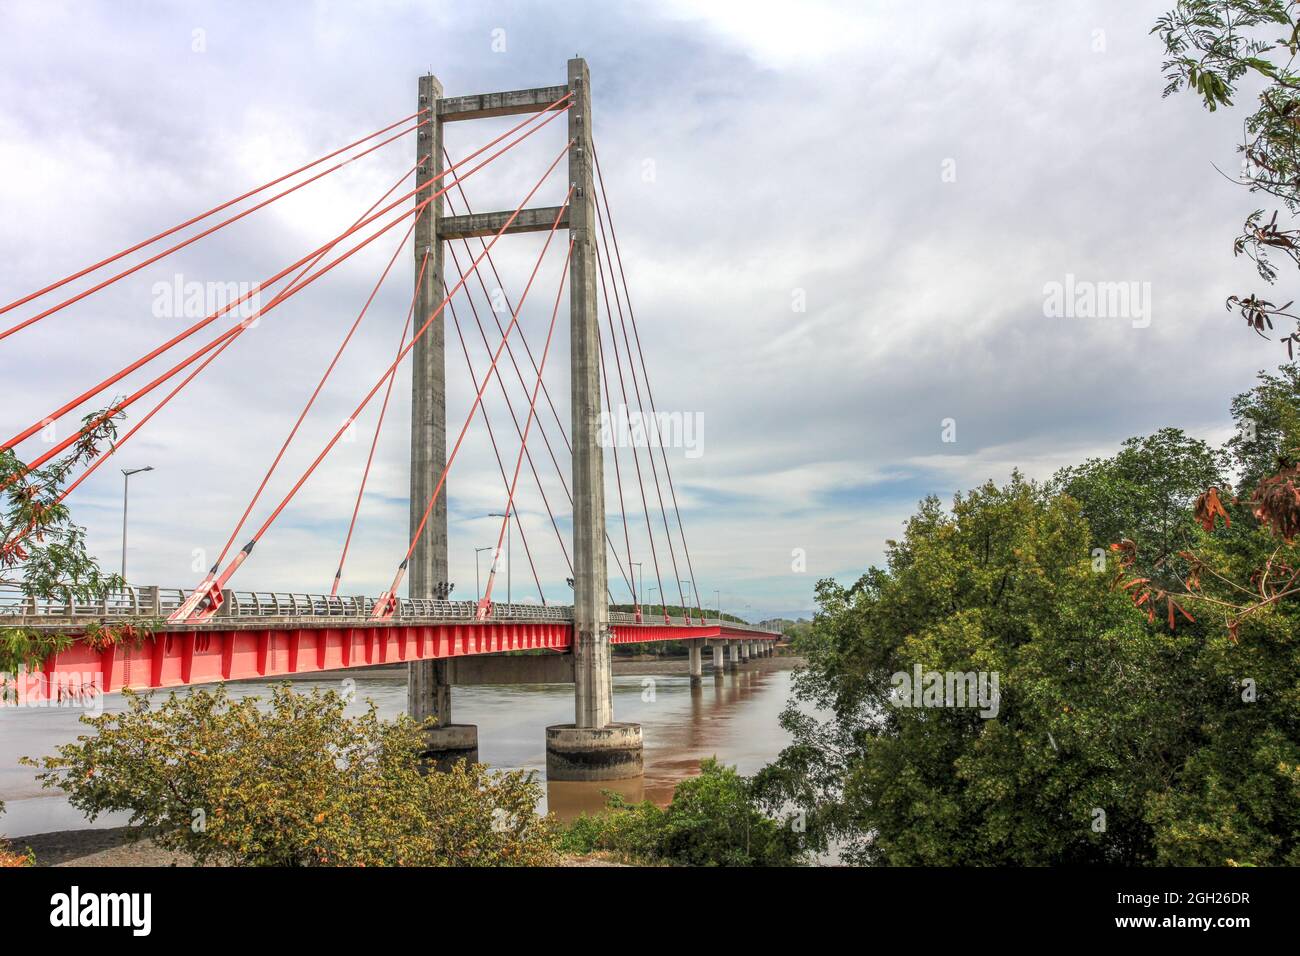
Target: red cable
x,y
384,608
497,452
213,583
501,285
518,374
650,393
510,353
641,408
320,385
230,333
618,475
201,216
636,459
379,425
119,442
486,600
195,238
504,394
36,426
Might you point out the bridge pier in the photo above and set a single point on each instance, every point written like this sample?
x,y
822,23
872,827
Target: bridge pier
x,y
696,656
719,664
744,652
593,747
733,655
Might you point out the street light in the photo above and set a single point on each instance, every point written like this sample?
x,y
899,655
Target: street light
x,y
126,483
640,583
652,591
478,589
718,594
509,563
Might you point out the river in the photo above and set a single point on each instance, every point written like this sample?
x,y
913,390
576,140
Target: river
x,y
734,718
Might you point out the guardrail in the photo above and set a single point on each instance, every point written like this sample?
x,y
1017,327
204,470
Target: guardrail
x,y
155,603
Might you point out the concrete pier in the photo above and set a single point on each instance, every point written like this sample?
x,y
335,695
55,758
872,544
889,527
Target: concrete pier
x,y
696,658
612,752
733,655
719,661
745,652
593,747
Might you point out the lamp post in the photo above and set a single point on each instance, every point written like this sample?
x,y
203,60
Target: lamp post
x,y
718,594
126,483
652,591
509,563
478,588
639,583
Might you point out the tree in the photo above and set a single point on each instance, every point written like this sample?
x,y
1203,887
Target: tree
x,y
43,553
712,820
1211,48
1268,425
1112,732
297,783
1147,490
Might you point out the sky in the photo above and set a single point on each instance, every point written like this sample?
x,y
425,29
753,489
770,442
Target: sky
x,y
841,227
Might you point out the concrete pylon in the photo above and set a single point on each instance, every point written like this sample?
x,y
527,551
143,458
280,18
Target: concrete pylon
x,y
696,658
719,664
593,747
733,655
744,652
428,686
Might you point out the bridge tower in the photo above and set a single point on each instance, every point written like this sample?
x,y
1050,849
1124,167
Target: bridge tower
x,y
593,747
428,682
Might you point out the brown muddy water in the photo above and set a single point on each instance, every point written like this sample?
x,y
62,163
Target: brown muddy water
x,y
734,718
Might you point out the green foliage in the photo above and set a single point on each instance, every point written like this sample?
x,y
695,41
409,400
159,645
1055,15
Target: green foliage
x,y
1213,47
1146,491
1100,710
297,783
1268,425
712,820
42,551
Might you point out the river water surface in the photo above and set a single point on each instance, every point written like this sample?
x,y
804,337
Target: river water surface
x,y
733,718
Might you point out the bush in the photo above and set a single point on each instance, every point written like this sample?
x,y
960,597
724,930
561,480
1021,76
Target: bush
x,y
712,820
9,859
295,784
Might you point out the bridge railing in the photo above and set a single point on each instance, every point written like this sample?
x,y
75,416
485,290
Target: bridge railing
x,y
157,603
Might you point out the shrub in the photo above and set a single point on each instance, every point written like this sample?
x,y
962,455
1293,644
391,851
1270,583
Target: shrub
x,y
10,859
295,784
712,820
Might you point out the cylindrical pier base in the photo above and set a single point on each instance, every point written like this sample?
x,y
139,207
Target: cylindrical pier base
x,y
612,752
446,745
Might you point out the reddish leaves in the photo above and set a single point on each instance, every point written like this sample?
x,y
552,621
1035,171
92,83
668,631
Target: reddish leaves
x,y
1140,591
1208,507
1277,503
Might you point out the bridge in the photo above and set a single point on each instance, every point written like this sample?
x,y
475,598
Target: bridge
x,y
154,637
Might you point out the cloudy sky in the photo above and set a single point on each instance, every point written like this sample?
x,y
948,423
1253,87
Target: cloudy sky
x,y
838,227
